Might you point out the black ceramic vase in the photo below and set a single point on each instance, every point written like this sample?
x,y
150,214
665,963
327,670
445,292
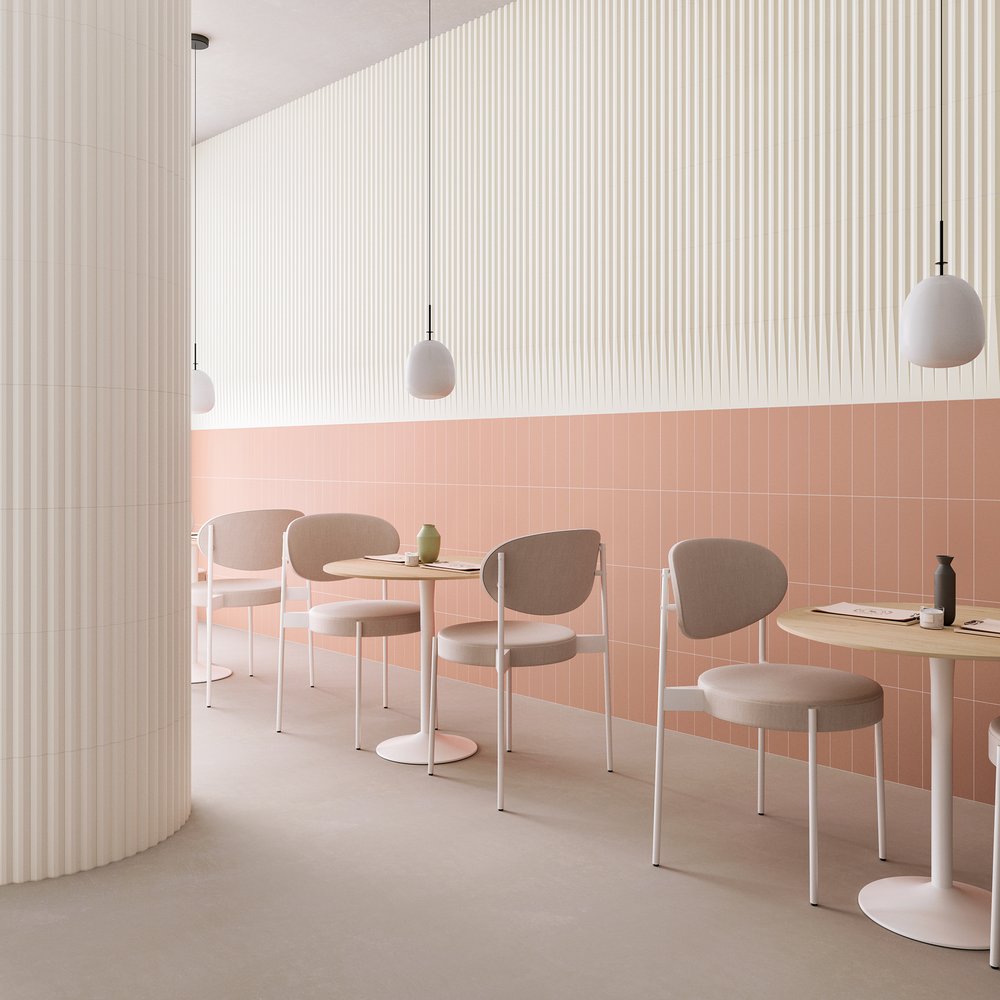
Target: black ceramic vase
x,y
944,588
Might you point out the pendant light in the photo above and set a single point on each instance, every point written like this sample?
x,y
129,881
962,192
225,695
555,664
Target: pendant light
x,y
942,323
430,368
202,390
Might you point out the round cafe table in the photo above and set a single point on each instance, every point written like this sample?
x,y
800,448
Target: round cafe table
x,y
412,748
937,910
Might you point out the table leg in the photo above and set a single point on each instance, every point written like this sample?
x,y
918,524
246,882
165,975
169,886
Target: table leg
x,y
937,910
412,749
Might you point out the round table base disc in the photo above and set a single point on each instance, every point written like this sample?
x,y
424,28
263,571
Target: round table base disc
x,y
412,749
218,673
955,917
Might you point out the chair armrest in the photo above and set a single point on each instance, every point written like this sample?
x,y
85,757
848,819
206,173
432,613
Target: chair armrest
x,y
591,644
684,699
296,619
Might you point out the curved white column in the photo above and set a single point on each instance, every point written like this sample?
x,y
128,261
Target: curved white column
x,y
94,478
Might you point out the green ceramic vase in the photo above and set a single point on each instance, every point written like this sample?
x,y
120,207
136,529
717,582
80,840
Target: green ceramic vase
x,y
428,543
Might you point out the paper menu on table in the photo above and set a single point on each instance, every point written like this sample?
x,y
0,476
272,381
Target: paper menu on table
x,y
894,616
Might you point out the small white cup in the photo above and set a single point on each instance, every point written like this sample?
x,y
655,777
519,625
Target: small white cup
x,y
410,559
932,617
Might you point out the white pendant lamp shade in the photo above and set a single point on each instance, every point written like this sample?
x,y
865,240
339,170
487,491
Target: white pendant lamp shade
x,y
430,370
943,325
202,392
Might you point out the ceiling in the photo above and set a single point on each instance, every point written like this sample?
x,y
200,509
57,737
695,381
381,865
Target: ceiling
x,y
264,53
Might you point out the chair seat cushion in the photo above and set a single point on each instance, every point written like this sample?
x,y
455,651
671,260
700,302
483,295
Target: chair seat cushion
x,y
994,739
378,618
531,644
779,696
243,592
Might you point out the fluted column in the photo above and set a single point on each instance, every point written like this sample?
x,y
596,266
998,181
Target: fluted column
x,y
94,478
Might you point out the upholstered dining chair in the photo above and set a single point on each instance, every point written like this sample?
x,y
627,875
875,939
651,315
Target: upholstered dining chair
x,y
249,541
546,574
994,744
310,543
722,585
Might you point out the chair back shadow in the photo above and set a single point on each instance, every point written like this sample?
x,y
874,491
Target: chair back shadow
x,y
247,539
550,573
724,584
318,539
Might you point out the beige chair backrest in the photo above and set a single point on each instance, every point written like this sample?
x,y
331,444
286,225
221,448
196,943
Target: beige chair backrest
x,y
247,539
550,573
318,539
724,584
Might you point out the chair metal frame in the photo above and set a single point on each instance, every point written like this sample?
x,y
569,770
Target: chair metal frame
x,y
592,643
691,698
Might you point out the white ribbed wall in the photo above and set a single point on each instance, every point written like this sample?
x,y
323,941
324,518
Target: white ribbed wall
x,y
641,205
94,469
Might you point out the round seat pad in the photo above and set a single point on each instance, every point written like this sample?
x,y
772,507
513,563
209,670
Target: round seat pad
x,y
779,696
531,643
378,618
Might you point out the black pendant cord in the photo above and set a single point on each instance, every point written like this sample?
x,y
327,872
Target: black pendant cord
x,y
941,261
194,223
430,245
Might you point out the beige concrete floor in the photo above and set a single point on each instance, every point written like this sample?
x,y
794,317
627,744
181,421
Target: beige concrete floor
x,y
309,869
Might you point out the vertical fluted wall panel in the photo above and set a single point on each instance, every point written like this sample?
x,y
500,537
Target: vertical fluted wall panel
x,y
639,205
94,475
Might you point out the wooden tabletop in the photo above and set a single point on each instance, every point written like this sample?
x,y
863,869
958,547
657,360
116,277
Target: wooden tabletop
x,y
375,569
883,637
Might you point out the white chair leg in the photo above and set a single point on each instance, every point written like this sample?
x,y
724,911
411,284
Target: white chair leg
x,y
208,653
281,676
432,714
995,906
880,789
385,673
312,661
357,686
250,640
501,724
813,817
761,751
607,709
658,785
509,695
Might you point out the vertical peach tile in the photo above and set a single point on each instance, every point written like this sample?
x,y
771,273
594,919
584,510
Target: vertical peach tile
x,y
960,454
887,449
887,544
798,449
935,449
819,449
703,450
685,450
777,526
721,424
911,449
863,543
986,585
841,533
758,445
911,737
986,467
668,451
739,450
961,545
863,449
819,539
841,453
798,538
777,428
910,527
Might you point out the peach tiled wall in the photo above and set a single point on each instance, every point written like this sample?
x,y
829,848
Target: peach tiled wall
x,y
856,499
